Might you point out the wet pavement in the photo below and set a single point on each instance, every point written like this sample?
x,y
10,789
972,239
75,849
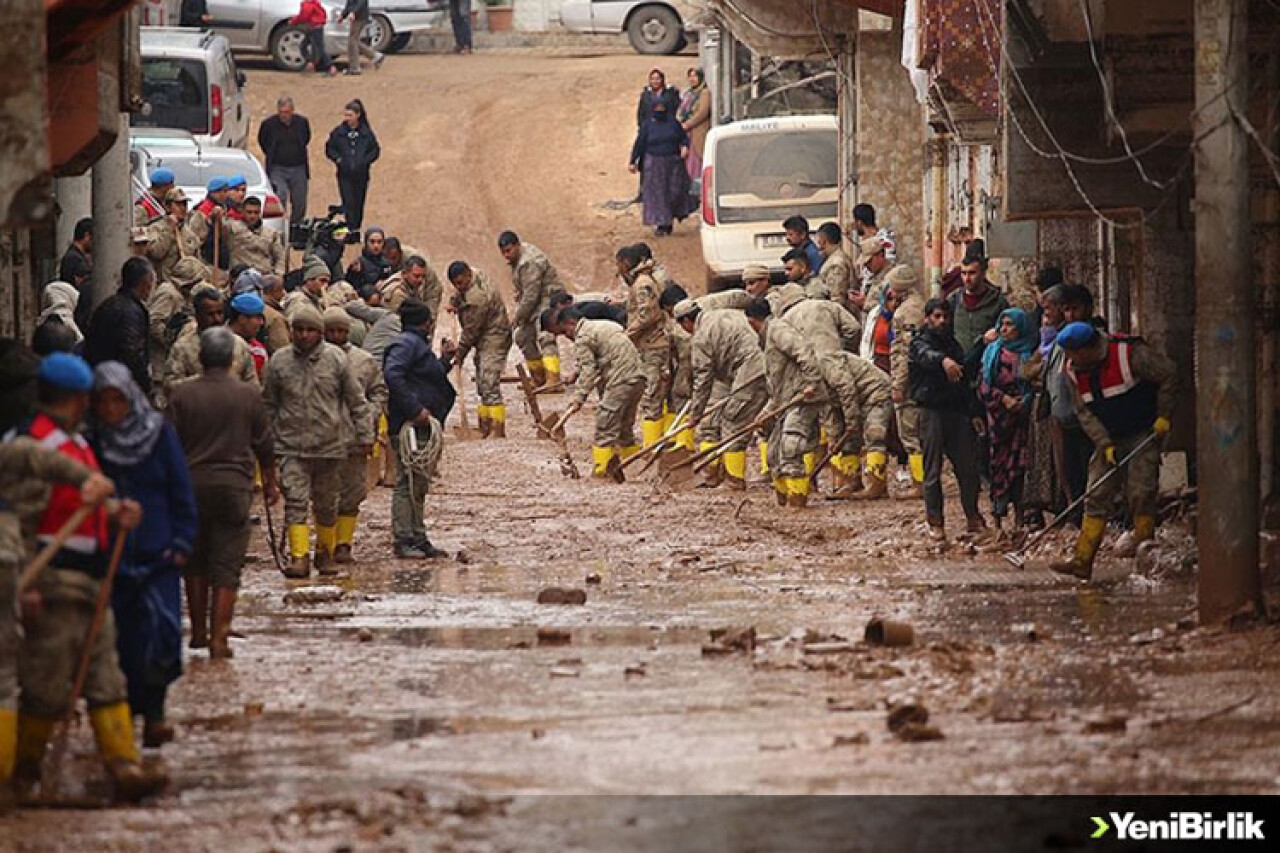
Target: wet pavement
x,y
406,703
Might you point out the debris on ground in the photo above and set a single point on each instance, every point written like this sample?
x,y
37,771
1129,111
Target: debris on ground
x,y
593,579
365,635
730,640
884,632
560,595
1110,724
314,595
635,670
859,739
554,637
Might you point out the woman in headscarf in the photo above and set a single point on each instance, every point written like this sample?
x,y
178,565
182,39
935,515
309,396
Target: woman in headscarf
x,y
658,153
695,117
353,148
140,451
373,265
58,304
1008,396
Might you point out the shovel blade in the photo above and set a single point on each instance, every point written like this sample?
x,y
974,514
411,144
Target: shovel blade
x,y
548,425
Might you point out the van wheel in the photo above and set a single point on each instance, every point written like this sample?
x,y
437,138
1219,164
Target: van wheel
x,y
289,48
655,30
399,43
378,33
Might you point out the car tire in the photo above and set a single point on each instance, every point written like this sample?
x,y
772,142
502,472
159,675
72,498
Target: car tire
x,y
655,30
398,43
289,48
379,33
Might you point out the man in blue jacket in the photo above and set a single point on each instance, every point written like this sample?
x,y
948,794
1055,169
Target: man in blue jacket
x,y
420,399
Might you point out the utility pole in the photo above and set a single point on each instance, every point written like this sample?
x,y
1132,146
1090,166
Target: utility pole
x,y
112,214
847,132
1226,385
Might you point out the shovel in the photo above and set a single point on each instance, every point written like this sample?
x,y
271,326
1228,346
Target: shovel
x,y
553,428
651,452
1017,558
703,459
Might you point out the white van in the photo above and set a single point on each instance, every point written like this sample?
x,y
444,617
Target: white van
x,y
190,82
756,173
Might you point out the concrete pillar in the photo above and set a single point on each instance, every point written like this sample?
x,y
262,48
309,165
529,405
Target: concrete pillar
x,y
112,215
75,201
1226,406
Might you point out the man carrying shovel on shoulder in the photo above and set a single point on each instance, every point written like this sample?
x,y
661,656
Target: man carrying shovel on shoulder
x,y
609,362
1126,392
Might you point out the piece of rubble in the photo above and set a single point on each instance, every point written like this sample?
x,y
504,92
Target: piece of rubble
x,y
364,635
559,595
905,714
635,670
314,595
1113,724
554,637
564,672
859,739
593,579
827,648
918,733
730,640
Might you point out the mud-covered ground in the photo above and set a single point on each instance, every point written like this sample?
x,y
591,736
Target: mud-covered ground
x,y
425,705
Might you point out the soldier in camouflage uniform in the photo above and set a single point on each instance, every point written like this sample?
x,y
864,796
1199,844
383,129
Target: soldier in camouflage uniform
x,y
170,309
725,352
534,280
60,605
908,316
184,359
417,280
647,329
608,362
171,236
486,330
318,412
254,245
355,484
837,270
791,370
866,410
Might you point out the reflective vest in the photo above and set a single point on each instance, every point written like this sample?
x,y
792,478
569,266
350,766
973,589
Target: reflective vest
x,y
88,542
1125,404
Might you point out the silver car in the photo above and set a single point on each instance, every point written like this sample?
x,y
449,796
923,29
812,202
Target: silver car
x,y
653,26
194,166
262,26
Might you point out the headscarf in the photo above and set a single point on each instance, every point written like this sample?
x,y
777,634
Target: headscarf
x,y
59,299
692,95
132,440
1024,344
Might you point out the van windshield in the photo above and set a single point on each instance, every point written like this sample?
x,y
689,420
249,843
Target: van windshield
x,y
178,93
770,176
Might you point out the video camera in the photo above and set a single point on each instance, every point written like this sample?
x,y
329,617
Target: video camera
x,y
323,237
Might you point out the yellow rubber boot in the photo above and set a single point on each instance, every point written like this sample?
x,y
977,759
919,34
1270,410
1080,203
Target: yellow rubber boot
x,y
629,451
875,486
8,744
345,536
684,439
735,469
382,433
651,431
848,475
764,458
600,457
551,366
498,414
810,461
797,491
780,490
113,730
668,419
915,462
1081,563
32,738
299,551
326,544
537,371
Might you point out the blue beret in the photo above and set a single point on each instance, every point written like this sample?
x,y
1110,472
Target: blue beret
x,y
248,303
64,370
161,176
216,184
236,181
1076,336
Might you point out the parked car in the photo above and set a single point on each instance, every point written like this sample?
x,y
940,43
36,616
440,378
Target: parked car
x,y
653,26
190,82
262,27
755,174
195,165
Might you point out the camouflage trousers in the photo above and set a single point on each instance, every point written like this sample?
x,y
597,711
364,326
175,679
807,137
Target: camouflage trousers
x,y
353,486
908,415
491,361
616,415
1140,479
54,641
656,369
794,434
10,562
310,483
744,405
534,344
711,427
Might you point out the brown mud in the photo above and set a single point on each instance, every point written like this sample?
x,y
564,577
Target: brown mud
x,y
423,705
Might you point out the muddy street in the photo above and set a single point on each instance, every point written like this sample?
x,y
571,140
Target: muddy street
x,y
423,705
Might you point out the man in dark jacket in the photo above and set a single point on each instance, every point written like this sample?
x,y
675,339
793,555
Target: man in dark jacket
x,y
977,304
76,268
949,416
358,12
284,138
194,13
420,399
120,327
